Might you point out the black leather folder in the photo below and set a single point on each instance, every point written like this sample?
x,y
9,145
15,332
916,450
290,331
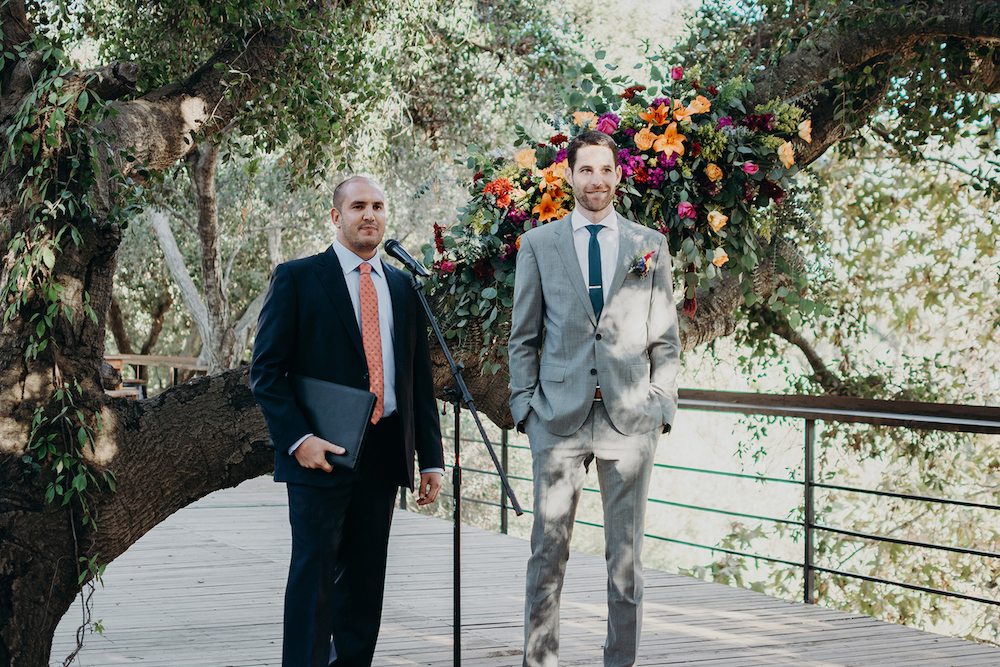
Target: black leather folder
x,y
337,413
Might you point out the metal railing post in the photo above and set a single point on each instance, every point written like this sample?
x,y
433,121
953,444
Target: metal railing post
x,y
503,496
810,513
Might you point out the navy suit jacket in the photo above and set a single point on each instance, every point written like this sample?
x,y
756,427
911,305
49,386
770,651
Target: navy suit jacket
x,y
308,327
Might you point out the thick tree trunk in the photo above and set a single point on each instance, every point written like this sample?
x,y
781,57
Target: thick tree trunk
x,y
165,453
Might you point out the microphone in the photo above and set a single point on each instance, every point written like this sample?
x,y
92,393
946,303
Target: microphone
x,y
394,249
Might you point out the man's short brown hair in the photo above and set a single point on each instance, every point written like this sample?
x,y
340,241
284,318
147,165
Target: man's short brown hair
x,y
590,138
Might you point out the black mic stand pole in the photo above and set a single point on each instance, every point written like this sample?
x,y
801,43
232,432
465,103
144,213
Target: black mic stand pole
x,y
457,394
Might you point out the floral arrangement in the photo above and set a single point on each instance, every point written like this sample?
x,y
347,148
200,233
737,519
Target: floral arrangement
x,y
696,166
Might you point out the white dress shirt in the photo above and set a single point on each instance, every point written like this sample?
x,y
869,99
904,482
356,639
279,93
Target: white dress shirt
x,y
607,237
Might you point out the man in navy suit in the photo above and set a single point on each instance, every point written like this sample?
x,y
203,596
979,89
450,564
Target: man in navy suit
x,y
318,320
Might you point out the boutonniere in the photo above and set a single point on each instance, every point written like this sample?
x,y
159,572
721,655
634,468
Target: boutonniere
x,y
641,264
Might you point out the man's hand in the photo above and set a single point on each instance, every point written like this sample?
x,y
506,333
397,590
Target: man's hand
x,y
312,453
430,486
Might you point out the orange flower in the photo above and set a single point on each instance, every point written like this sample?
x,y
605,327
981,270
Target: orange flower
x,y
716,220
713,172
681,113
548,209
720,257
526,158
805,131
670,141
700,105
517,242
556,192
582,118
501,189
787,154
553,175
644,139
654,117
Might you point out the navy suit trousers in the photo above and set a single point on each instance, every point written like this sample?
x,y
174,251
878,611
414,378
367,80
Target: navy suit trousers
x,y
340,537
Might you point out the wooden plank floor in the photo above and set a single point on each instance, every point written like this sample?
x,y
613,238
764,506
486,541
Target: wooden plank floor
x,y
205,589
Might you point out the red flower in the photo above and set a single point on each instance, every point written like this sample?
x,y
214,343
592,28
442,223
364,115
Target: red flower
x,y
631,91
477,176
558,139
712,91
482,269
696,85
695,149
439,238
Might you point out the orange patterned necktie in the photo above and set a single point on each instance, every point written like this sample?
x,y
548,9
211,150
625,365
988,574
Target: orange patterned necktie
x,y
371,338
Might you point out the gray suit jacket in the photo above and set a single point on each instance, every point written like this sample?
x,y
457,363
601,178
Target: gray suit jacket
x,y
559,352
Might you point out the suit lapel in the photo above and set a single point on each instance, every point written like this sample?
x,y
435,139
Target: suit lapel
x,y
332,279
628,249
566,250
398,283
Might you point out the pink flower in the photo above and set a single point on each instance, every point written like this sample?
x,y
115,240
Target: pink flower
x,y
677,73
607,123
750,168
686,210
444,266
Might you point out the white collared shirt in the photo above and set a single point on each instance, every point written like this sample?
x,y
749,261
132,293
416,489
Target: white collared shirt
x,y
607,237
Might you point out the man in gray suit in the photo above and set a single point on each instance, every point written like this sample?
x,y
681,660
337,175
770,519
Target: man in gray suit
x,y
594,356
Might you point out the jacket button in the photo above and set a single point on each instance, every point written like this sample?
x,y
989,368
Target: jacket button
x,y
598,336
365,376
593,371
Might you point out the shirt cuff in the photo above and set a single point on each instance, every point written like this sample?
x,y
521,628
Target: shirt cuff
x,y
291,450
437,470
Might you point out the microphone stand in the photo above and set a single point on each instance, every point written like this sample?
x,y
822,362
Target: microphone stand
x,y
459,393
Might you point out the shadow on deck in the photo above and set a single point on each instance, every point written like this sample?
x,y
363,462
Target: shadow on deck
x,y
205,588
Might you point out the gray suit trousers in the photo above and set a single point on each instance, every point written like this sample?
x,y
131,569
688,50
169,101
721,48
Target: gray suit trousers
x,y
624,468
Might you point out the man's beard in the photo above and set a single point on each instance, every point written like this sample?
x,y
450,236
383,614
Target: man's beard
x,y
601,200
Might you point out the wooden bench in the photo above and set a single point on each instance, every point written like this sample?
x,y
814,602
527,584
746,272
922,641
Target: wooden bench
x,y
136,387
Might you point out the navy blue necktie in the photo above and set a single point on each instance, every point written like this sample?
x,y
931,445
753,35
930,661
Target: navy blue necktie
x,y
595,287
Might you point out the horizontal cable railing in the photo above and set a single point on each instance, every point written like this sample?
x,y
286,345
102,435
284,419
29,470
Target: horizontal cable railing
x,y
810,409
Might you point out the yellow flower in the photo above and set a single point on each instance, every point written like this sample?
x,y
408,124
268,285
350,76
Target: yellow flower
x,y
716,220
670,141
713,172
548,209
787,154
644,139
700,105
526,158
657,116
805,131
720,257
582,118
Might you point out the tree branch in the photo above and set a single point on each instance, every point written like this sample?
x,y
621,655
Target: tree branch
x,y
780,327
804,74
178,269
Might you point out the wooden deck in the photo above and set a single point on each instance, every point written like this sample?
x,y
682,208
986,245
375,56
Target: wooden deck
x,y
205,589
